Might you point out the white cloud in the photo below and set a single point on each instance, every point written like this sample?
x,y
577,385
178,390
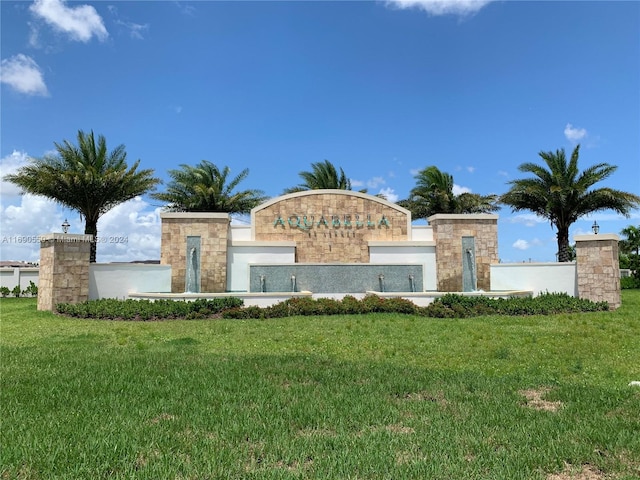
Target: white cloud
x,y
528,219
23,223
23,74
9,165
457,189
389,194
521,244
442,7
471,169
127,232
81,23
130,231
574,134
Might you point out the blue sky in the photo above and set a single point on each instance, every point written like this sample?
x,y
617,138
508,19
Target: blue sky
x,y
381,89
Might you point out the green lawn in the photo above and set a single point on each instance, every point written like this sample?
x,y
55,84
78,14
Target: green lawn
x,y
347,397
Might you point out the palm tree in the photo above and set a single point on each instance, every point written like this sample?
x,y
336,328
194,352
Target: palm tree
x,y
433,194
562,194
86,178
323,175
206,188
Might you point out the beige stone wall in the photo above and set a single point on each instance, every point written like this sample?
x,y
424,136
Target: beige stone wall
x,y
213,230
64,270
598,268
448,231
339,224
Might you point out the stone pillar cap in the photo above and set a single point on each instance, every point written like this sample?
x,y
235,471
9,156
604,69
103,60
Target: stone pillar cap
x,y
66,237
596,237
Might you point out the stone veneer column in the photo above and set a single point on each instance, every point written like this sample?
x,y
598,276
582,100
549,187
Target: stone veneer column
x,y
448,230
213,230
598,268
64,269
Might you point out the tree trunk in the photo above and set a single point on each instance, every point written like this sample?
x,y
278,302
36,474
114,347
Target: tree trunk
x,y
563,245
91,228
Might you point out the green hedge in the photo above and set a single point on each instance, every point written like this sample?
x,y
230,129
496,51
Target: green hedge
x,y
113,309
629,283
447,306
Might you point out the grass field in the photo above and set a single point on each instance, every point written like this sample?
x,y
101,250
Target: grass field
x,y
347,397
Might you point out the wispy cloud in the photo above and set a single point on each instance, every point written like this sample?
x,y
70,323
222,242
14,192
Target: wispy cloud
x,y
23,74
528,219
136,30
81,22
441,7
375,182
574,134
186,8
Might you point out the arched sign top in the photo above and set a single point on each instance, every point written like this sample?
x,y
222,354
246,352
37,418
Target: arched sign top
x,y
325,192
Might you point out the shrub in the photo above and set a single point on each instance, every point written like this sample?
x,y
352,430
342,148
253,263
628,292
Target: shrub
x,y
130,309
4,291
458,306
31,290
16,291
351,305
629,282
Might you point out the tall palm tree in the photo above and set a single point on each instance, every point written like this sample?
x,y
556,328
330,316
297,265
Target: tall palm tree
x,y
86,178
433,194
322,175
206,188
562,194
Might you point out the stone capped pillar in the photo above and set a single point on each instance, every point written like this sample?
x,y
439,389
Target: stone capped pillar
x,y
448,232
598,268
64,269
213,230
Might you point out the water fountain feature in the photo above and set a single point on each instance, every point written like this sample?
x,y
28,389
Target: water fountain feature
x,y
469,276
412,283
381,281
192,275
335,278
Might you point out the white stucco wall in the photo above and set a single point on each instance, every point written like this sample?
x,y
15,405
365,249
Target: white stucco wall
x,y
117,280
536,277
240,233
415,252
10,277
242,254
422,233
